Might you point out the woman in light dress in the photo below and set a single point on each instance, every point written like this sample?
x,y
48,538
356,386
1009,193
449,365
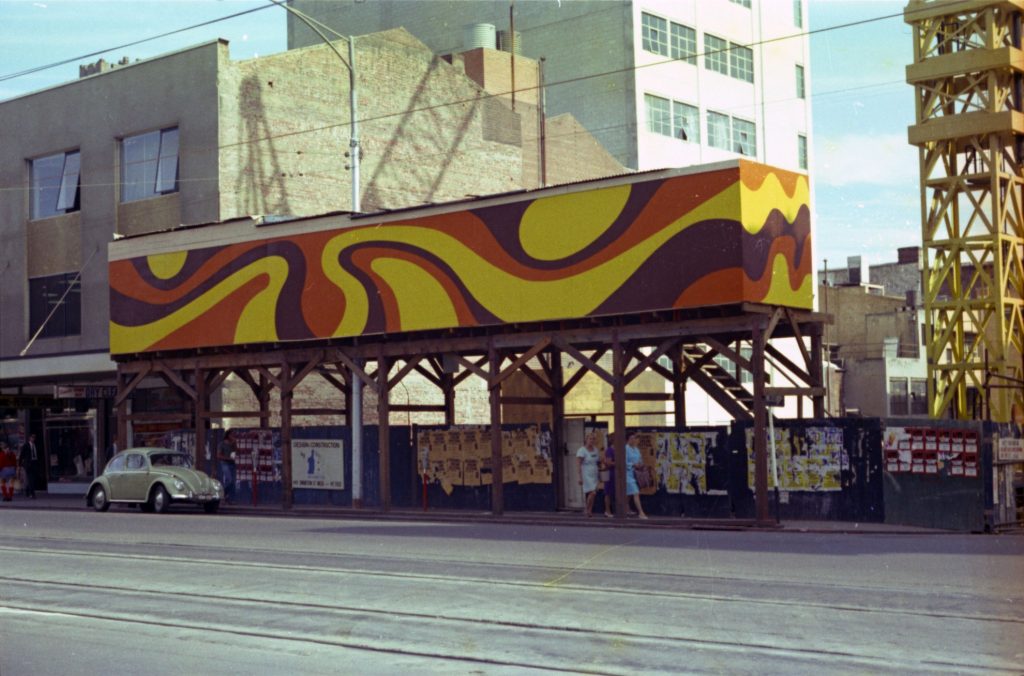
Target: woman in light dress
x,y
633,458
587,458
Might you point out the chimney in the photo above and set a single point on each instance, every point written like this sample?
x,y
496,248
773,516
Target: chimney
x,y
908,254
854,268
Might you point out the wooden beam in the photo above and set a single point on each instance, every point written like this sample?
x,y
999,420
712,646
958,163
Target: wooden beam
x,y
409,365
126,391
532,375
584,360
715,391
318,411
432,377
652,358
582,371
790,366
384,430
306,369
497,468
277,381
459,377
522,360
349,363
175,380
799,338
473,368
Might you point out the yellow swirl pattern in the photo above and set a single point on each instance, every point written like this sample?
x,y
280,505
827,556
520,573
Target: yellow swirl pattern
x,y
555,227
756,204
165,266
254,326
422,301
506,295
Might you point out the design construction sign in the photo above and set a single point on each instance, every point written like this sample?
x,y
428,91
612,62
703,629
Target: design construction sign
x,y
318,464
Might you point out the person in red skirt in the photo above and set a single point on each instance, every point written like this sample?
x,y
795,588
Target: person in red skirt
x,y
8,470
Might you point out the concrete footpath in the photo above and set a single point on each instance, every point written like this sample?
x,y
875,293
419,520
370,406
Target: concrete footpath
x,y
47,501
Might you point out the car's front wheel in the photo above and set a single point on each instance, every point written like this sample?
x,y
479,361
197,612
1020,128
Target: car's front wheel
x,y
159,501
211,507
99,500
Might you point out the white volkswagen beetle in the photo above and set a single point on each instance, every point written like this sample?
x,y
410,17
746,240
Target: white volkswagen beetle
x,y
153,478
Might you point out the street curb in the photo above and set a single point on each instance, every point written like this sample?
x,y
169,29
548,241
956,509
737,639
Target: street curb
x,y
560,519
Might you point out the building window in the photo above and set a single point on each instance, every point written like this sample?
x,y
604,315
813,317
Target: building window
x,y
55,184
716,54
741,62
149,165
801,151
744,137
654,34
685,122
801,93
798,14
745,3
898,399
918,396
684,44
659,115
718,130
55,304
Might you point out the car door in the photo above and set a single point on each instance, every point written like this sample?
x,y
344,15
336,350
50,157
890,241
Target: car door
x,y
114,474
135,478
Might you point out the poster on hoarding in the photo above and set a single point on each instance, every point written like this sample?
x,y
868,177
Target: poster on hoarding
x,y
318,464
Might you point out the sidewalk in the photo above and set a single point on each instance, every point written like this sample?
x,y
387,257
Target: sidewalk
x,y
46,501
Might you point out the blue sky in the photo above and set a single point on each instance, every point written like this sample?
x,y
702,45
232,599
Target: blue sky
x,y
864,173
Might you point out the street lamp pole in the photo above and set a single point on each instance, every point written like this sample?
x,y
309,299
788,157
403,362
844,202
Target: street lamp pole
x,y
354,150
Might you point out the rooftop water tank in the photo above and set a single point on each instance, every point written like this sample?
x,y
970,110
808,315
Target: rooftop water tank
x,y
477,35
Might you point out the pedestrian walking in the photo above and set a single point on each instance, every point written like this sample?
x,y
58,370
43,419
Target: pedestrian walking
x,y
29,460
8,470
633,458
608,477
587,456
226,453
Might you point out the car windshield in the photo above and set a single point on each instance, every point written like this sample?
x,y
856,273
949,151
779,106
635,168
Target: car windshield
x,y
171,460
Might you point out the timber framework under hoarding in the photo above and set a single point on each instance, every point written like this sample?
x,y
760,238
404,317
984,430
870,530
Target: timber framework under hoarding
x,y
663,270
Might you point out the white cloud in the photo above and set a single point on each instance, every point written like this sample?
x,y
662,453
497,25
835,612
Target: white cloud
x,y
880,159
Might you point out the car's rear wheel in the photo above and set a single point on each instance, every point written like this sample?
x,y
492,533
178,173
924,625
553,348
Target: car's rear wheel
x,y
99,500
211,507
159,501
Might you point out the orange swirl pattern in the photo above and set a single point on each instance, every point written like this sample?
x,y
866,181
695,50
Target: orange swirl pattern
x,y
718,237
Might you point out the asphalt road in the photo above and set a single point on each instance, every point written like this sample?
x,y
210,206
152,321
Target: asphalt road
x,y
129,593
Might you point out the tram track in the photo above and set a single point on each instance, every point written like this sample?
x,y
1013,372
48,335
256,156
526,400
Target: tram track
x,y
423,634
537,577
472,599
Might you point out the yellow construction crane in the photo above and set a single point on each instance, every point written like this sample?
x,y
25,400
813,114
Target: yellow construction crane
x,y
969,129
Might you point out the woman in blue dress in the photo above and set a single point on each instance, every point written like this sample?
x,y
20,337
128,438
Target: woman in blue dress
x,y
633,458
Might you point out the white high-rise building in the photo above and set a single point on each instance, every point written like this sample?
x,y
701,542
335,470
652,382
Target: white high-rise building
x,y
658,82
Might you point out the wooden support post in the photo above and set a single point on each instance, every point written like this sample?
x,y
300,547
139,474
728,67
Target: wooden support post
x,y
384,430
263,397
760,429
557,424
287,394
678,386
123,382
201,420
448,389
814,370
619,418
497,469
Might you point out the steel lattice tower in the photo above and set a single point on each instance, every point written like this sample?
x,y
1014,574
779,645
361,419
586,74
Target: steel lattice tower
x,y
969,129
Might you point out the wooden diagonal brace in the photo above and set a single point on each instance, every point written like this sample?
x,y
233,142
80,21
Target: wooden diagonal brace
x,y
650,359
521,361
562,345
130,387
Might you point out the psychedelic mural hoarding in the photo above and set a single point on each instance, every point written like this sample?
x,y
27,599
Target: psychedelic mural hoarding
x,y
738,234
